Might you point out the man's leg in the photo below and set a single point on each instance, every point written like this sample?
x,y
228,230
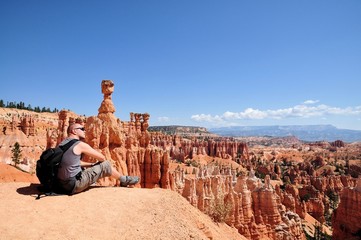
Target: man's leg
x,y
91,175
125,181
103,169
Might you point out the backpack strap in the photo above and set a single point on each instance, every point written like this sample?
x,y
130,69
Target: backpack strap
x,y
66,146
47,194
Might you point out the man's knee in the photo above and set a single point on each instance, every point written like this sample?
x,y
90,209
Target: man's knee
x,y
106,168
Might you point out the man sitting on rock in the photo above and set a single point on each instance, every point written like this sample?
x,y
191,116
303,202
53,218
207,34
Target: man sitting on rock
x,y
72,178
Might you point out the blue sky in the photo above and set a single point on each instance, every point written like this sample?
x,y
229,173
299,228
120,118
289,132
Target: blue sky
x,y
199,63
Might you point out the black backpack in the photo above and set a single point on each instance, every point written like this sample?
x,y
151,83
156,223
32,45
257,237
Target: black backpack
x,y
47,169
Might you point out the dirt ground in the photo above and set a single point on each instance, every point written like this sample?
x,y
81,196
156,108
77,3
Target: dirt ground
x,y
100,213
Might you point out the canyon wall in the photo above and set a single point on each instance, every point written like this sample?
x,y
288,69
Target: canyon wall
x,y
216,175
346,218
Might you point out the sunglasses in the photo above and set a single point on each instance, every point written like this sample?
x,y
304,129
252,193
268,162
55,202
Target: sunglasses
x,y
82,128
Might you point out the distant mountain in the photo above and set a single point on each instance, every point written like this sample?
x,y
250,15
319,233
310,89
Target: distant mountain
x,y
303,132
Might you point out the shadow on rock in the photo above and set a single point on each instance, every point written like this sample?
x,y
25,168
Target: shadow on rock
x,y
31,190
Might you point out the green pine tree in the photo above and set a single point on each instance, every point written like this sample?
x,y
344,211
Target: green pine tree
x,y
16,153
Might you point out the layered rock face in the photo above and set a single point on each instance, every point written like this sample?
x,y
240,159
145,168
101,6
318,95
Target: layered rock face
x,y
27,128
126,144
34,131
250,206
224,186
346,218
181,149
245,203
184,131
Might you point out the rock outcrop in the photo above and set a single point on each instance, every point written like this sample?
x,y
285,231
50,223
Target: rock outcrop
x,y
346,218
27,128
262,192
250,206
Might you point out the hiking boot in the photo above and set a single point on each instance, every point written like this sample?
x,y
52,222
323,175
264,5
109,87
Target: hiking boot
x,y
128,180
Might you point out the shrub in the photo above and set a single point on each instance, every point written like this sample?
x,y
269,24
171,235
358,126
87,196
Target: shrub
x,y
305,197
192,163
219,210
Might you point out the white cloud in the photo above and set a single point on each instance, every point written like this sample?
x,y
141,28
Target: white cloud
x,y
163,119
310,101
249,113
298,111
207,118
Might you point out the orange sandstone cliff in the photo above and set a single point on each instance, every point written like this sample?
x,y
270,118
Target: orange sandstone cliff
x,y
263,194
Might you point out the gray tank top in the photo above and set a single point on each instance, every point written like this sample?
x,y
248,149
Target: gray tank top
x,y
70,165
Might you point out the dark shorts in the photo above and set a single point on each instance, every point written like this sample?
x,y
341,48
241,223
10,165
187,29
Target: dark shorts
x,y
91,175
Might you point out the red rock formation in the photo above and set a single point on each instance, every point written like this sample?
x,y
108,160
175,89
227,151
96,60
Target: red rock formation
x,y
181,148
27,125
257,214
346,218
258,210
126,144
27,128
338,143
